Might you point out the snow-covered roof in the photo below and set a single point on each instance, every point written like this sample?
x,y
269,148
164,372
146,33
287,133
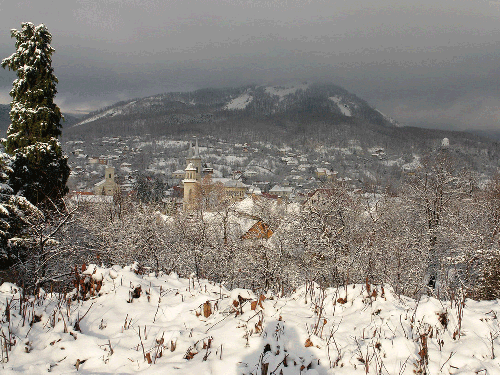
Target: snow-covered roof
x,y
284,189
93,198
235,184
190,167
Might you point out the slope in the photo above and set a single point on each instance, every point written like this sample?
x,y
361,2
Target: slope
x,y
140,323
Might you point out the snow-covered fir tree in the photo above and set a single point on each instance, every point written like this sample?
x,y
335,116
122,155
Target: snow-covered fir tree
x,y
39,170
15,214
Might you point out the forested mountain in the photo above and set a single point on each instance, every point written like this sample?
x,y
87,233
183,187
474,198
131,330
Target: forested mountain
x,y
303,116
278,110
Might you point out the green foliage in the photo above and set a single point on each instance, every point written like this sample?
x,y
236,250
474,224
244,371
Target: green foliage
x,y
33,113
15,213
39,170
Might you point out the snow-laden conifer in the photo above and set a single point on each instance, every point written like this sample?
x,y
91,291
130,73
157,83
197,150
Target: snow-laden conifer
x,y
39,170
34,115
15,214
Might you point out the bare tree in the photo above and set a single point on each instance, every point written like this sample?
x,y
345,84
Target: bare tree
x,y
432,189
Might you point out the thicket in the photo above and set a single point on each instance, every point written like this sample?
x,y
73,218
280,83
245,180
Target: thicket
x,y
439,235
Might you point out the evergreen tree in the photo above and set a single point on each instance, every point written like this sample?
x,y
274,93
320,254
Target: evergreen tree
x,y
39,170
15,215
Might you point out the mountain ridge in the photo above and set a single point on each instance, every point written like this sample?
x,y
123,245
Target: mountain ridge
x,y
294,114
255,101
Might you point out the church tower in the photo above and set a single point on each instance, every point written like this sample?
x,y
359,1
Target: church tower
x,y
190,183
108,186
192,175
194,159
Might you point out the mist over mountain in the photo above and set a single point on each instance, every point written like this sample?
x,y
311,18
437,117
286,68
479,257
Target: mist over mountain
x,y
489,133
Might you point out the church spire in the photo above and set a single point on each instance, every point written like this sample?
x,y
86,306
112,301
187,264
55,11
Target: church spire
x,y
196,149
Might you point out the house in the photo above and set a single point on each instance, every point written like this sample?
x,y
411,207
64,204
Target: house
x,y
236,189
260,230
377,152
304,167
262,185
237,175
283,192
250,173
318,195
88,197
324,173
207,170
254,190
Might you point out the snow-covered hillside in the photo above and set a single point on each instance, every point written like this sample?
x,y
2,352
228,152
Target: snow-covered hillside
x,y
168,325
390,119
211,105
344,108
241,102
283,91
108,113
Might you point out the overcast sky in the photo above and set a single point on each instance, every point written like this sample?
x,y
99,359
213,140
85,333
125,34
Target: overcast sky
x,y
425,61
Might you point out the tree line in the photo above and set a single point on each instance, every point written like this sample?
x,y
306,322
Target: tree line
x,y
439,234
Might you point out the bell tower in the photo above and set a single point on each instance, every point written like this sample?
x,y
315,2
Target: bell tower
x,y
192,176
194,159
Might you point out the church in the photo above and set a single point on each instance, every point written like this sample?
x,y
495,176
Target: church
x,y
108,186
193,174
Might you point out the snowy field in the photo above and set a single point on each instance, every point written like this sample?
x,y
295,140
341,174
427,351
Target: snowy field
x,y
132,323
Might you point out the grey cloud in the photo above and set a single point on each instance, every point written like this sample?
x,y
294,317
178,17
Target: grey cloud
x,y
420,61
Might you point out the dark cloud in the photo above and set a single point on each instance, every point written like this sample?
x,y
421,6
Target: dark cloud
x,y
431,62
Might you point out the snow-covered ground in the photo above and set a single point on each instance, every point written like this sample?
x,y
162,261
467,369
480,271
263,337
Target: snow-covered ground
x,y
283,91
241,102
189,326
413,165
109,113
344,108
